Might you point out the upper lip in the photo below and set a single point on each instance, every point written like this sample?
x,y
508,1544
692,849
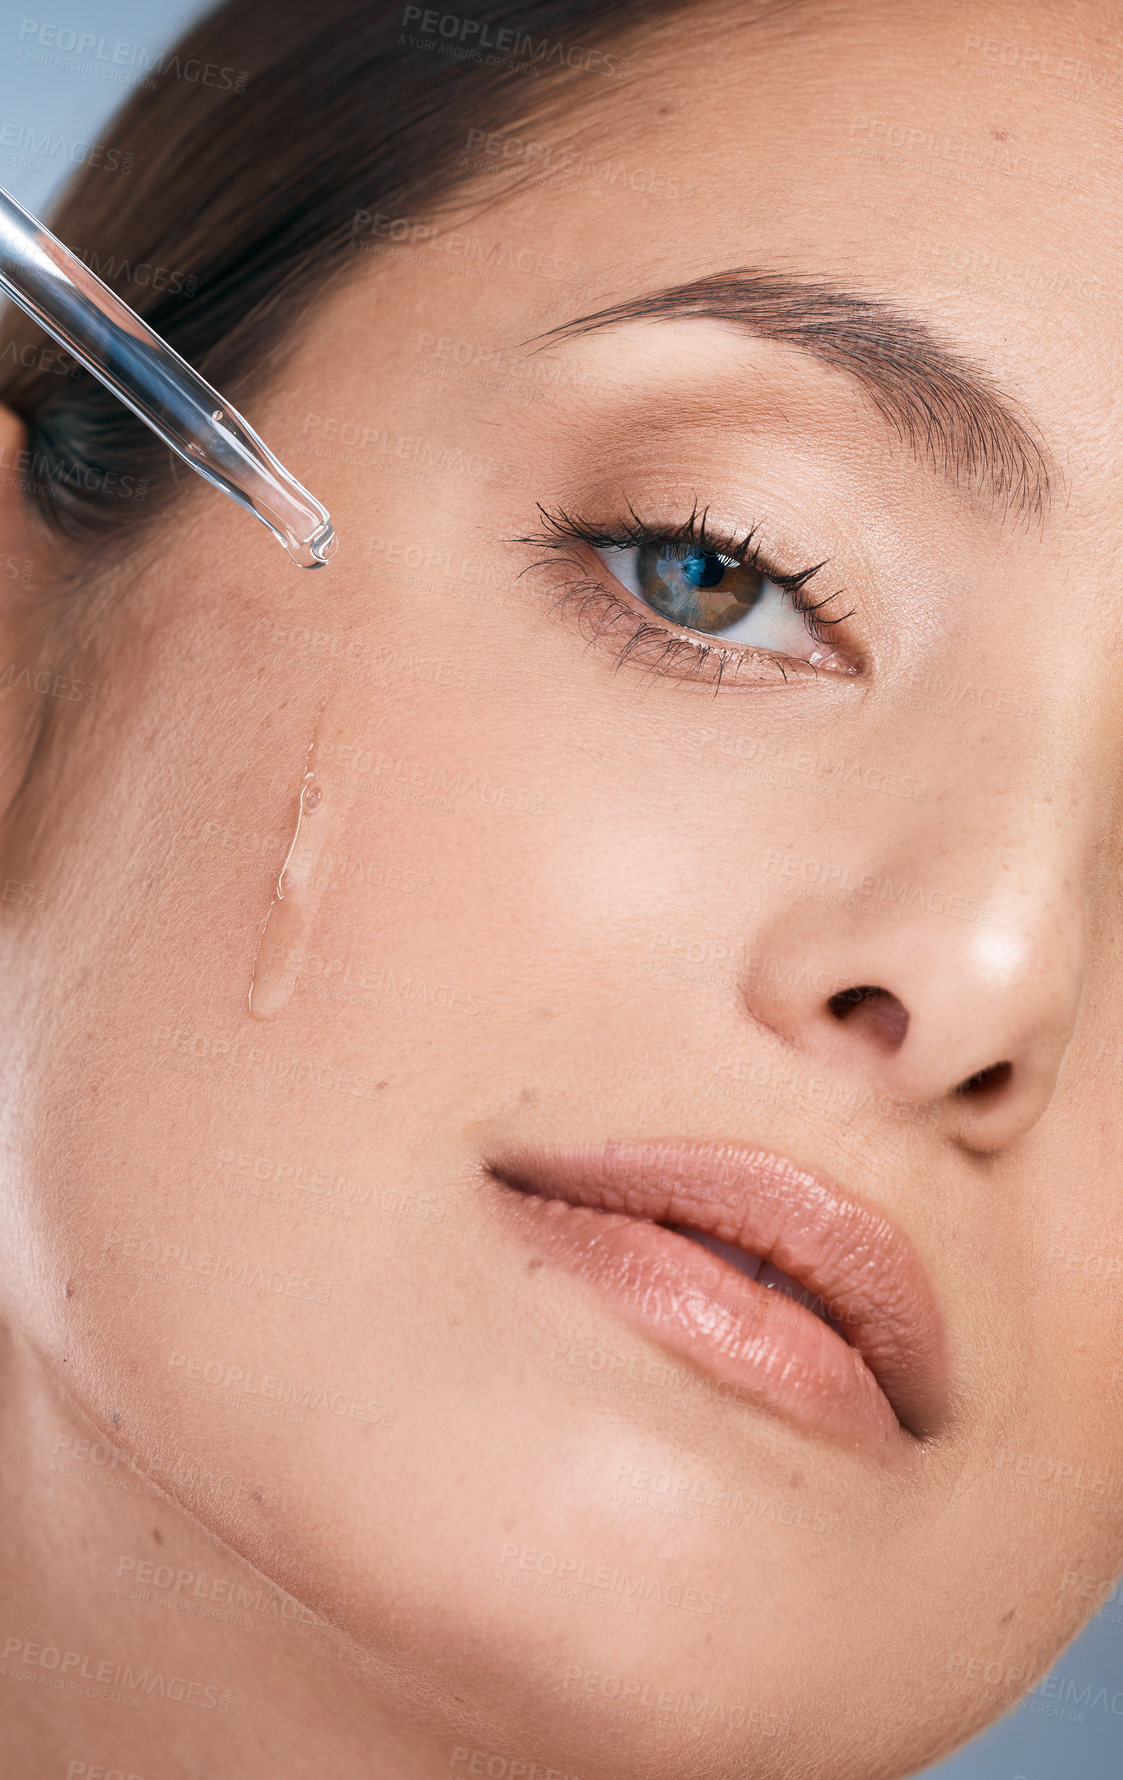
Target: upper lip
x,y
846,1252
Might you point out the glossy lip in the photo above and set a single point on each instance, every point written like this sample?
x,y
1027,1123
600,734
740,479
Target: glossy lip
x,y
600,1211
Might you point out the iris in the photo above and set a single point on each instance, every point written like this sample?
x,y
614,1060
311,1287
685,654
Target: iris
x,y
697,589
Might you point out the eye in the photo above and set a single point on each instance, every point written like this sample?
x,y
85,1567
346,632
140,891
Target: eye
x,y
692,602
717,596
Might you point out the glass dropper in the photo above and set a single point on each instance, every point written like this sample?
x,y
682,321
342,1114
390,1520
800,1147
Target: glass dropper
x,y
120,349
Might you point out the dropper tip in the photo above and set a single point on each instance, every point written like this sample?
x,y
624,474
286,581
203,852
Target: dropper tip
x,y
322,546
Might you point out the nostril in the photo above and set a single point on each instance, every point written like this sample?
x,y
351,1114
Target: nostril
x,y
846,999
873,1010
985,1081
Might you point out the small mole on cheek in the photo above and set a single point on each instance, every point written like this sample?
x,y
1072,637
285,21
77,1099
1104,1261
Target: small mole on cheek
x,y
534,1264
115,1418
1007,1617
157,1535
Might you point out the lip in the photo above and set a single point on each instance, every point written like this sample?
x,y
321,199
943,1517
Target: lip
x,y
599,1212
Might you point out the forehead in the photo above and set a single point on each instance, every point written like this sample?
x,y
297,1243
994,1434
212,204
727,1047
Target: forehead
x,y
971,175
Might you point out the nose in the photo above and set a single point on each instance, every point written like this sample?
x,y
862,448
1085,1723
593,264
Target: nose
x,y
964,1010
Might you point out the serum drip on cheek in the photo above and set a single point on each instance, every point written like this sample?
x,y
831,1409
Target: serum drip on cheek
x,y
324,803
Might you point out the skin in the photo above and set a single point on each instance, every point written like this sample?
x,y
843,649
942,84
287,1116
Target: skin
x,y
891,1610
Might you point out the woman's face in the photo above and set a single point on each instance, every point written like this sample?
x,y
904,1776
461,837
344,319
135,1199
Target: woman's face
x,y
604,806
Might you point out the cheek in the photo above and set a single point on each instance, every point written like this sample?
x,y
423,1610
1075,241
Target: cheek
x,y
242,1195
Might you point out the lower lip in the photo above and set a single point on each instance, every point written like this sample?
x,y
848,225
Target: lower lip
x,y
758,1345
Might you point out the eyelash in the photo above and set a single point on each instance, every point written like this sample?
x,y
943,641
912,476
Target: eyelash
x,y
591,600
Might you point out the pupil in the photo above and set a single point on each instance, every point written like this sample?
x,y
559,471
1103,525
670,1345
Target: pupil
x,y
702,570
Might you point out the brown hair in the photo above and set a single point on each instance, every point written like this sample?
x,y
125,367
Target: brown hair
x,y
243,191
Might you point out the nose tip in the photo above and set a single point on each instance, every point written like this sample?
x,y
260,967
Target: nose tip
x,y
979,1107
969,1026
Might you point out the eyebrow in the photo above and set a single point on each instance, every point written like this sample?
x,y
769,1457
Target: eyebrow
x,y
950,412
